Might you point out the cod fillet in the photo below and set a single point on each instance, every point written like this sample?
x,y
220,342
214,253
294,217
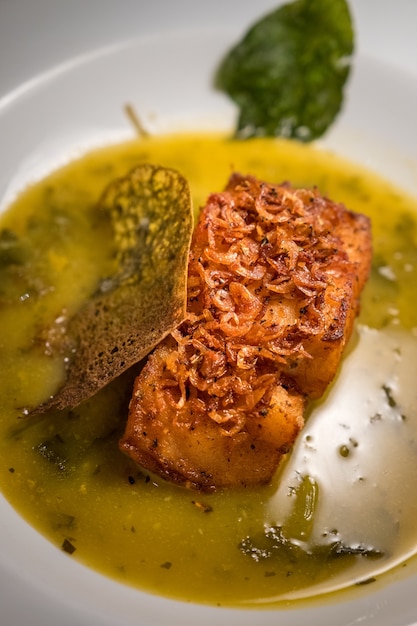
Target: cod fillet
x,y
274,280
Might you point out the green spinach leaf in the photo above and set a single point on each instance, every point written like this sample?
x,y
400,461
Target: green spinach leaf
x,y
288,73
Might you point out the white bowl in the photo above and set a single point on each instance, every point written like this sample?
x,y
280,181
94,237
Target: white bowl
x,y
50,53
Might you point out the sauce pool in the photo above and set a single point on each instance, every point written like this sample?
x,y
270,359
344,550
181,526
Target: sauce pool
x,y
338,513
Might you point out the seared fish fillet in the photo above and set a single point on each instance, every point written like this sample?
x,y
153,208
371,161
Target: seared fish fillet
x,y
274,280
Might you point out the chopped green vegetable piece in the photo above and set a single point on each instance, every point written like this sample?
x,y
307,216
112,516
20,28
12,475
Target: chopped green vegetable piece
x,y
274,545
151,216
302,516
288,72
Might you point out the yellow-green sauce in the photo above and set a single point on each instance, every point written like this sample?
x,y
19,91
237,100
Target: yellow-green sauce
x,y
339,511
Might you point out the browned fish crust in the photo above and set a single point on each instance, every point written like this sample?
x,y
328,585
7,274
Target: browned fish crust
x,y
274,280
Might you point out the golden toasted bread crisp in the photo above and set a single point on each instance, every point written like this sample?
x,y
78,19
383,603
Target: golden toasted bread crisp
x,y
274,279
151,221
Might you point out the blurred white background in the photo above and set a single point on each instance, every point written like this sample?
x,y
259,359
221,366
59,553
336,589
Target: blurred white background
x,y
38,34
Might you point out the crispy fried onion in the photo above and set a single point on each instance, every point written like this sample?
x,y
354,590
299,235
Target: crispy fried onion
x,y
255,291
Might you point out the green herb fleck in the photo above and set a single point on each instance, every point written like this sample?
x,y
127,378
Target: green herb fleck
x,y
390,398
68,547
288,73
64,520
344,451
202,506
